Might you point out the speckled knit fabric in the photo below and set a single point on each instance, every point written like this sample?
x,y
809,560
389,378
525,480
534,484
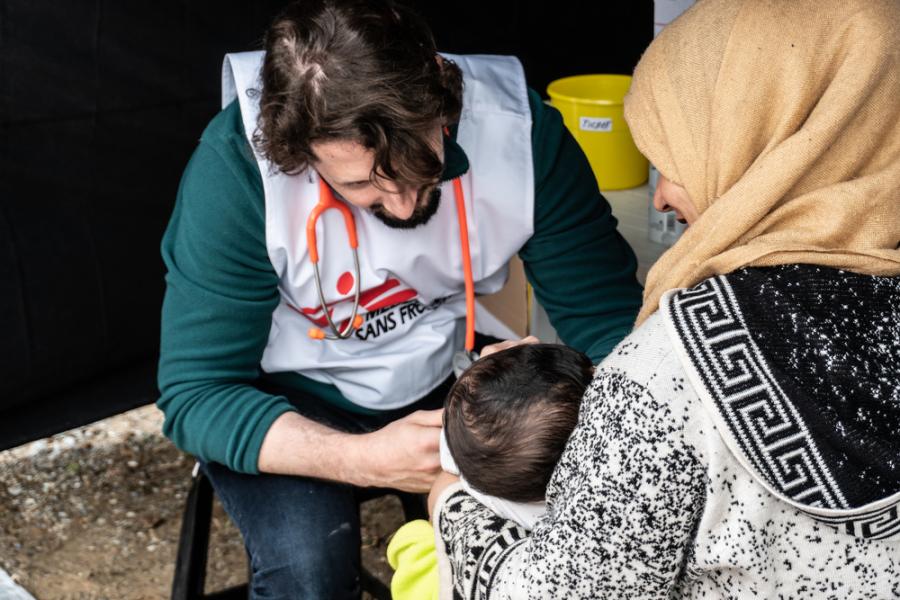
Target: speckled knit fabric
x,y
781,484
800,363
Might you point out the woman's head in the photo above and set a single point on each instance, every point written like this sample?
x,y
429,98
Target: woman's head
x,y
780,121
672,196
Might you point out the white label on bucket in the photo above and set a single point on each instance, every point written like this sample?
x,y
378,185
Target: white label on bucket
x,y
596,124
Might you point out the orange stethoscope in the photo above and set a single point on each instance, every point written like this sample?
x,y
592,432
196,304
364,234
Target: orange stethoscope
x,y
327,200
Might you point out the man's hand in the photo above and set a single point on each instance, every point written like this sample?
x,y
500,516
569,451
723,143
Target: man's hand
x,y
402,455
490,349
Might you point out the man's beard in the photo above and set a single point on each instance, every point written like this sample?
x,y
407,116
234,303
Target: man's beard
x,y
425,209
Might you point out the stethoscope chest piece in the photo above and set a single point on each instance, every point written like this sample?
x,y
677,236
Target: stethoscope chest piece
x,y
462,360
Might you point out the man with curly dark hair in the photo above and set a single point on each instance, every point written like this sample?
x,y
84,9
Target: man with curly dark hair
x,y
351,99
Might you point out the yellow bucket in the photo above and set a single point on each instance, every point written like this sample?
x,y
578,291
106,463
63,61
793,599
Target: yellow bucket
x,y
592,109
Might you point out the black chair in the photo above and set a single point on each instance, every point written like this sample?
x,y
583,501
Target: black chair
x,y
193,546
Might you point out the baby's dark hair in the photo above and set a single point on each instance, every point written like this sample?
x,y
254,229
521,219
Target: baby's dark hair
x,y
509,416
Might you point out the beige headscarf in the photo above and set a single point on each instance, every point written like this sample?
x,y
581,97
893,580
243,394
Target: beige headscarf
x,y
781,118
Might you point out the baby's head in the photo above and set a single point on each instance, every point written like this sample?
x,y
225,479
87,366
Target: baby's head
x,y
509,416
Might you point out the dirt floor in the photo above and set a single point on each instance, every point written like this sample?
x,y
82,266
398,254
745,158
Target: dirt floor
x,y
95,514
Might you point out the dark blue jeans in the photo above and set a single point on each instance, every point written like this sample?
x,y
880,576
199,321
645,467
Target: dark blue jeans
x,y
302,534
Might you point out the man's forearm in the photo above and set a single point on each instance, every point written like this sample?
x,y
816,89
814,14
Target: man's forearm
x,y
402,455
296,445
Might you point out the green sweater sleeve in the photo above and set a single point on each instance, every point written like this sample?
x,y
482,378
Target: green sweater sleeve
x,y
582,270
220,294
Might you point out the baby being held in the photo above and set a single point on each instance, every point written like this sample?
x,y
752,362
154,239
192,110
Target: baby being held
x,y
506,422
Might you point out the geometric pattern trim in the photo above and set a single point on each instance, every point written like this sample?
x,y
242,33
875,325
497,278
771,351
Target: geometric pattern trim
x,y
494,555
761,419
490,545
876,525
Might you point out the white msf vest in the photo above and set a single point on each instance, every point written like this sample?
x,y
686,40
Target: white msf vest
x,y
412,289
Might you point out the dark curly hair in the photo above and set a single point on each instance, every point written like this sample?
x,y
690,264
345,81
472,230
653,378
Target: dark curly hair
x,y
508,417
362,70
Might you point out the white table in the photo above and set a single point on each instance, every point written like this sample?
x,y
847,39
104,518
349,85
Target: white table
x,y
630,208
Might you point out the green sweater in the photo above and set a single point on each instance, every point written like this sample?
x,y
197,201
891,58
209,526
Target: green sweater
x,y
221,287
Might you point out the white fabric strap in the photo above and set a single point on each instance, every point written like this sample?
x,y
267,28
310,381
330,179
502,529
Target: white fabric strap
x,y
525,514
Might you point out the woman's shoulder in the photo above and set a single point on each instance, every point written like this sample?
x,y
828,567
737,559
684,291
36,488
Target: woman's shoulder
x,y
643,382
647,357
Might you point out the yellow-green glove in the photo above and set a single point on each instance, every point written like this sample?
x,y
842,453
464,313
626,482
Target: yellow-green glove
x,y
413,556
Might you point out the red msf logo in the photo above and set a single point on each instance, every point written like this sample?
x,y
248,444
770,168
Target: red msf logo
x,y
382,296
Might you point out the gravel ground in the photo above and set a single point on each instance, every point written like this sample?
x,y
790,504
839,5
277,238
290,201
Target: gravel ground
x,y
95,513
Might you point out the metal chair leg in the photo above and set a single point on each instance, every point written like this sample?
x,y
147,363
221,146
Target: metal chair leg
x,y
193,543
415,506
373,585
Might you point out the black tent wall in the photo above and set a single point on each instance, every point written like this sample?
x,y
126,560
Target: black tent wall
x,y
101,105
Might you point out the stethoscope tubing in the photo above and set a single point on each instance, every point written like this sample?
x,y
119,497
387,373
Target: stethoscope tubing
x,y
467,264
327,201
340,334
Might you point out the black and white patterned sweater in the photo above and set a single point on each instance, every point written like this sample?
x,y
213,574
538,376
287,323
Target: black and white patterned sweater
x,y
742,443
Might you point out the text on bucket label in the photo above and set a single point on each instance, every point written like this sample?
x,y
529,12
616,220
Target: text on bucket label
x,y
596,124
